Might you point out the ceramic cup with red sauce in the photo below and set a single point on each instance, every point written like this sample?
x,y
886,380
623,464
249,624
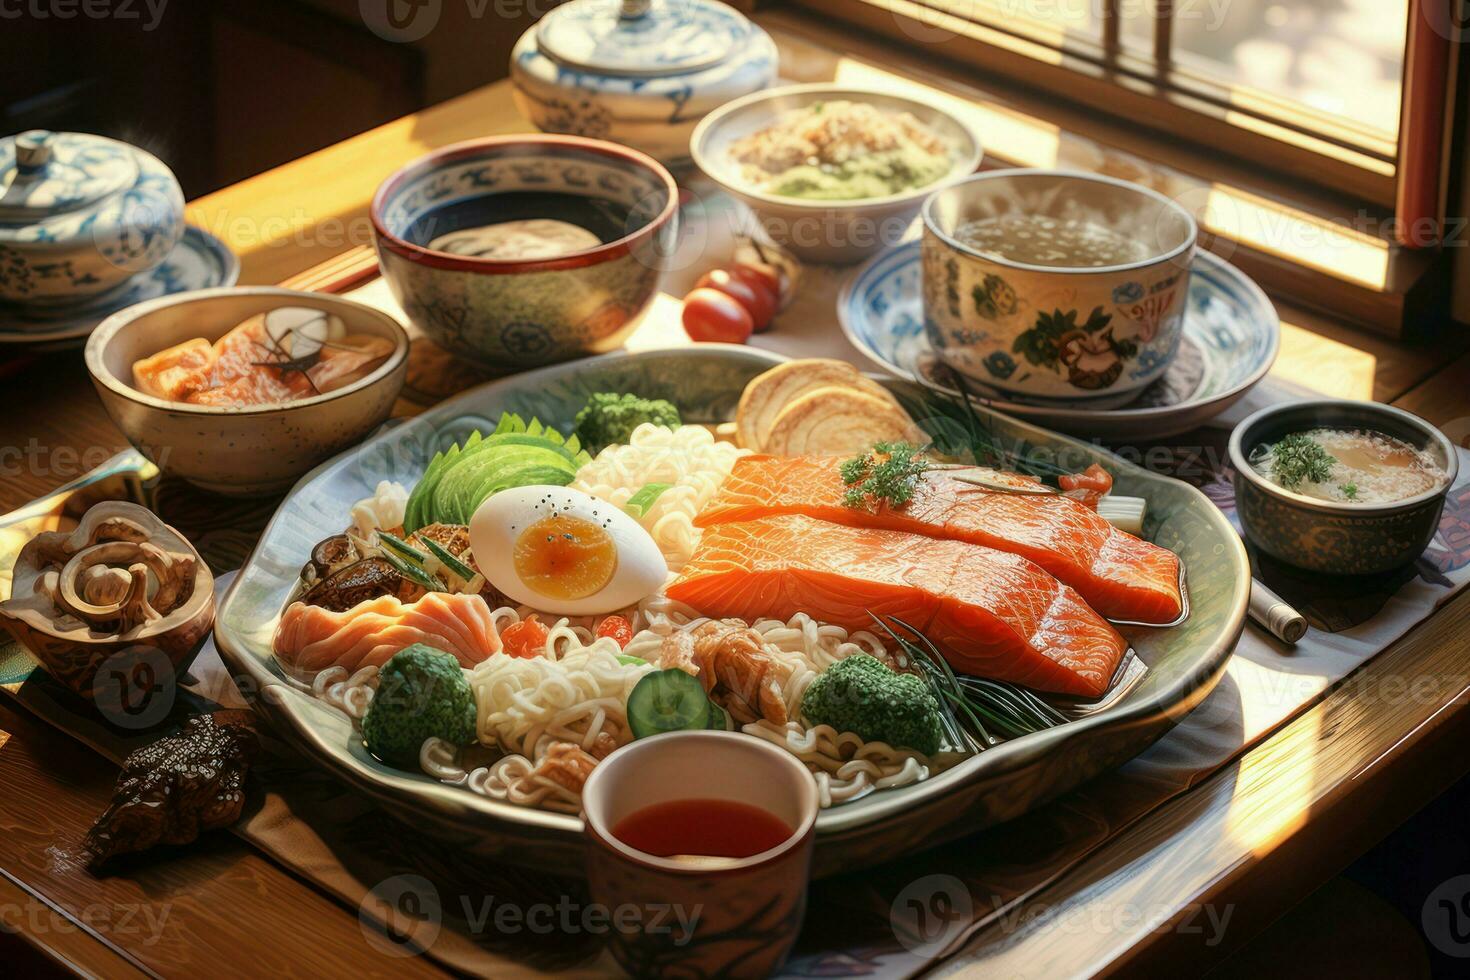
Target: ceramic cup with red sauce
x,y
700,848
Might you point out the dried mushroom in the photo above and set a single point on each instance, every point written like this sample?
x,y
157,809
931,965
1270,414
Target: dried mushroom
x,y
179,786
359,582
121,580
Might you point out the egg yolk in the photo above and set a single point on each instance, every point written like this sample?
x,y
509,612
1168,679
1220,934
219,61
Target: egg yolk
x,y
565,557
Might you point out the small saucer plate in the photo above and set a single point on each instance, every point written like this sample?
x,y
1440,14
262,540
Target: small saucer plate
x,y
1231,333
198,261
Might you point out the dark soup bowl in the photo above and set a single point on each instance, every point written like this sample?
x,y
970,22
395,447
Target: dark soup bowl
x,y
506,306
1337,537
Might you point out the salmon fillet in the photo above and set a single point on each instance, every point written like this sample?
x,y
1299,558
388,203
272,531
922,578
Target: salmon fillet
x,y
310,639
992,614
1121,576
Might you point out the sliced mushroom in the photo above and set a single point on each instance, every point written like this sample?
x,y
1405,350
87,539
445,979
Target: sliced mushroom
x,y
359,582
331,556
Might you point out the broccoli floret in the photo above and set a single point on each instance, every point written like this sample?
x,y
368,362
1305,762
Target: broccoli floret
x,y
422,693
608,418
860,694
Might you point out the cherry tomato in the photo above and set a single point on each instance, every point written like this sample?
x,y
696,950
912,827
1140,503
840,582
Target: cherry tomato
x,y
616,627
748,288
712,315
766,274
526,638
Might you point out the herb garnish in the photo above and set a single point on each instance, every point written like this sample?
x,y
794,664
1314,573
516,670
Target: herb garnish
x,y
977,713
889,474
957,430
1299,457
1349,490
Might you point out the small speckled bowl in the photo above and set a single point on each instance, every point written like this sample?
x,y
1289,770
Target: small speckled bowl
x,y
248,451
1326,536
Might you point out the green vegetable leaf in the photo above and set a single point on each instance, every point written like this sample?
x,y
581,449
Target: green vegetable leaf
x,y
873,481
1299,457
642,501
1349,490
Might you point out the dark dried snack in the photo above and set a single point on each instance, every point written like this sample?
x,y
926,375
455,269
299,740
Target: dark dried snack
x,y
182,784
359,582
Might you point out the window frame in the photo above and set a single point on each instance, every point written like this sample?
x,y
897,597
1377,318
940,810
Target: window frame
x,y
1285,138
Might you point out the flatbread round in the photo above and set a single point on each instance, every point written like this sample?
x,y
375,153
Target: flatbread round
x,y
768,394
838,420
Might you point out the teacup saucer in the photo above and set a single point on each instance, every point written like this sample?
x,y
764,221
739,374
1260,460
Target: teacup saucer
x,y
1231,332
198,261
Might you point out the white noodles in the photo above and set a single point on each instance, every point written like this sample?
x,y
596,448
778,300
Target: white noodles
x,y
844,766
572,699
689,458
350,694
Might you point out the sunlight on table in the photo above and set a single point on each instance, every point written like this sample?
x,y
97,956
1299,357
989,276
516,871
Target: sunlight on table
x,y
1284,810
1326,366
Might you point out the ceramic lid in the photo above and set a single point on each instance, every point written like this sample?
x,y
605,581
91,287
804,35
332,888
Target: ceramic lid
x,y
44,173
641,37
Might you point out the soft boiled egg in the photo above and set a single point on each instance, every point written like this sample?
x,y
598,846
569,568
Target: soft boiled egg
x,y
564,551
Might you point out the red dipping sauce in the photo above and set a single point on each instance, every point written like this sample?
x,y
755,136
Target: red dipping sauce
x,y
702,828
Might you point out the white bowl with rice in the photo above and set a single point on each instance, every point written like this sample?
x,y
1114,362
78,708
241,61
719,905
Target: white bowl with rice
x,y
835,174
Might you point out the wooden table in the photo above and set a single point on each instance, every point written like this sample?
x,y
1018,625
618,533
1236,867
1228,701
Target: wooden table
x,y
1258,836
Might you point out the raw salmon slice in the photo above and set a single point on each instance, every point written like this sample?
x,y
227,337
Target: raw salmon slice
x,y
176,373
310,639
1121,576
992,614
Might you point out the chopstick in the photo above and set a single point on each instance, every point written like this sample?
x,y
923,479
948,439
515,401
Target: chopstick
x,y
1275,614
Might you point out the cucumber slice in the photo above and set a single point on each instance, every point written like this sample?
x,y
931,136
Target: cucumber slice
x,y
667,701
640,502
718,720
447,559
403,548
413,573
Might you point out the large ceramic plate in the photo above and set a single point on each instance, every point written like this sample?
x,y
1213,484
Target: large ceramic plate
x,y
998,784
1231,332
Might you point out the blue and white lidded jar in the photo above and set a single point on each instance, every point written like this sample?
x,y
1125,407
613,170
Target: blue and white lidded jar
x,y
81,215
638,72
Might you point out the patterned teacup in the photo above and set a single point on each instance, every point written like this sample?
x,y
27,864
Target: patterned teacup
x,y
700,916
1056,286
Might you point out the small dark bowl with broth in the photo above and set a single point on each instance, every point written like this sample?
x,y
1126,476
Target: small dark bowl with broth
x,y
519,251
1341,536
